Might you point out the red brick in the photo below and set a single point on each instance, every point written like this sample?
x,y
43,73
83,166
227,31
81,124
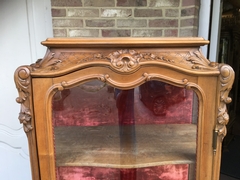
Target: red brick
x,y
193,11
189,22
67,23
83,12
164,3
131,22
190,2
132,3
100,23
147,33
190,32
66,2
170,33
147,12
58,12
116,33
59,32
99,3
172,12
163,23
116,12
83,33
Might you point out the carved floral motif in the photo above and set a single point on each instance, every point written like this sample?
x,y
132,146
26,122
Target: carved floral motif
x,y
23,83
161,57
226,81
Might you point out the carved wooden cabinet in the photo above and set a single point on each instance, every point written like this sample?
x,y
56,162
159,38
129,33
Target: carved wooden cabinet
x,y
124,109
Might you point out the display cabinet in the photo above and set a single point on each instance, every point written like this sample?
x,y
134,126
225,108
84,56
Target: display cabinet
x,y
124,109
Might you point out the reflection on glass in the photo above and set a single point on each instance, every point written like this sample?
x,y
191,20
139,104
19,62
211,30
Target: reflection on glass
x,y
159,96
102,132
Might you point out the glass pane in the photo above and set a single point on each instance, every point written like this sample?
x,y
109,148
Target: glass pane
x,y
148,132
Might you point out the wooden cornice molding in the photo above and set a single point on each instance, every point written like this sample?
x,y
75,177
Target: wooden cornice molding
x,y
123,55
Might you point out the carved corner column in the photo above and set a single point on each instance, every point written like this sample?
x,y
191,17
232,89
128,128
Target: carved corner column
x,y
226,79
22,78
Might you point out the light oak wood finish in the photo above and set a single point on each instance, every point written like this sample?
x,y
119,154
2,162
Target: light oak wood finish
x,y
124,63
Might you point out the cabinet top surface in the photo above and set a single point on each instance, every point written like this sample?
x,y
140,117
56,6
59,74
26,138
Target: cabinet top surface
x,y
125,42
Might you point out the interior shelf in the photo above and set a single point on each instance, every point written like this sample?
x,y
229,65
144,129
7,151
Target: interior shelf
x,y
134,146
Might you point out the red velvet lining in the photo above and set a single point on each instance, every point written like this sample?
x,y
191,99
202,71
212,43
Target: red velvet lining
x,y
167,172
77,110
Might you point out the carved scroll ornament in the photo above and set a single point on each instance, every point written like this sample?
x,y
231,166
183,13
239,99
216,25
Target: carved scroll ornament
x,y
125,60
226,81
23,83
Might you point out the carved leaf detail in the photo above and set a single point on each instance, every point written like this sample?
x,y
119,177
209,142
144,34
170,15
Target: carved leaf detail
x,y
200,62
48,61
25,119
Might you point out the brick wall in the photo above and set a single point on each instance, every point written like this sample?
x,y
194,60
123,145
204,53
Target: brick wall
x,y
125,18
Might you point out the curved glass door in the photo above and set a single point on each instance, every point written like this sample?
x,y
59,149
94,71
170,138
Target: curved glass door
x,y
105,133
